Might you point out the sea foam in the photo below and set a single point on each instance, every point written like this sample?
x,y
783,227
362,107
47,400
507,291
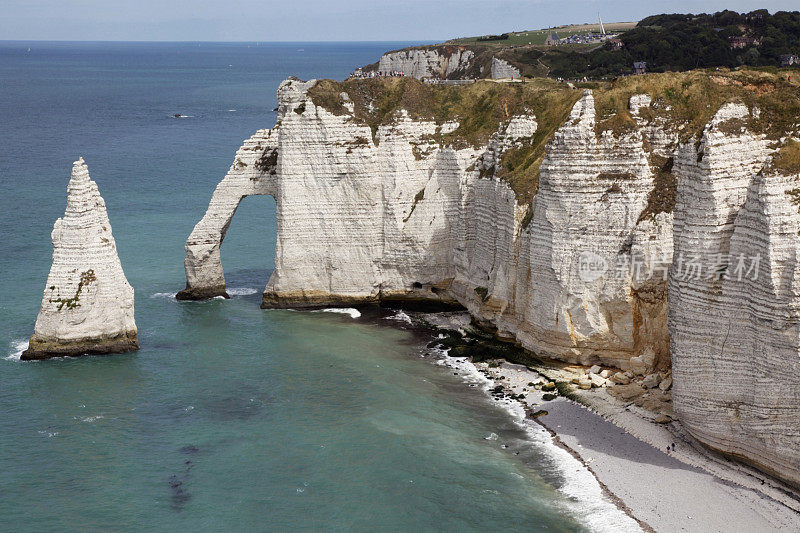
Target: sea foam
x,y
351,311
588,503
241,291
400,316
163,295
17,347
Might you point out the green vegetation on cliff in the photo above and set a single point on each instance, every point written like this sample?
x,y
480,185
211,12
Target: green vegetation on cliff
x,y
682,102
685,42
666,43
690,99
787,160
537,37
480,108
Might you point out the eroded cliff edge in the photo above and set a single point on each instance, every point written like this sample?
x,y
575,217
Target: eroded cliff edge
x,y
548,213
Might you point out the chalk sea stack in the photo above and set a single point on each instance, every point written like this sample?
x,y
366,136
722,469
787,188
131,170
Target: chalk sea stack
x,y
87,306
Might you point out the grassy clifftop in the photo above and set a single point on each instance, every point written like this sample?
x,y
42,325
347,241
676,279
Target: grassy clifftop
x,y
479,108
684,102
688,100
674,42
535,37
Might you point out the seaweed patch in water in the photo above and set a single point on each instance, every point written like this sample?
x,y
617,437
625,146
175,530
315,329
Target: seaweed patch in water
x,y
177,484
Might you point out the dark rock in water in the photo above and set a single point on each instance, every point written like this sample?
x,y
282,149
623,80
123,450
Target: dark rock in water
x,y
540,412
498,388
205,293
548,397
189,449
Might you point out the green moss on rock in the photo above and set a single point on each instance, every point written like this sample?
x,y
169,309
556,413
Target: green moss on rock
x,y
665,188
787,160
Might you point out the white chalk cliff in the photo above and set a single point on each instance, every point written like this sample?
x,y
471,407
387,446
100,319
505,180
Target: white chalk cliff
x,y
427,63
253,172
447,62
87,306
502,69
404,218
579,274
734,325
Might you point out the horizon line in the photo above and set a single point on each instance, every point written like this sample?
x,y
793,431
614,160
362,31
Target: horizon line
x,y
213,42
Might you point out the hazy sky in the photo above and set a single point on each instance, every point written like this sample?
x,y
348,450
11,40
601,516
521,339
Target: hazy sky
x,y
323,20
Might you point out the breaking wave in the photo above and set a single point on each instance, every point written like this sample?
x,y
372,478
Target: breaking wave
x,y
351,311
163,295
400,316
17,347
587,501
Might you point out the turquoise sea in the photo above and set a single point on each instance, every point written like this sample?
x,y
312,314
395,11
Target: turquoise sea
x,y
229,417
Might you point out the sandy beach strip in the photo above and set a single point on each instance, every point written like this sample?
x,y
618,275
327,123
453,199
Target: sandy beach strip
x,y
682,491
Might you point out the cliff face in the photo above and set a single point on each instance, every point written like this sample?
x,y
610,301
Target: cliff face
x,y
421,63
87,307
734,325
503,69
448,62
592,190
557,230
399,216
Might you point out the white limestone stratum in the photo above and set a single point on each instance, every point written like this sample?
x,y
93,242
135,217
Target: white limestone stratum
x,y
396,216
449,61
87,306
424,63
735,339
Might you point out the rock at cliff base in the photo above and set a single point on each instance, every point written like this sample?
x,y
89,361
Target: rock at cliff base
x,y
626,392
620,378
662,419
87,306
651,381
597,380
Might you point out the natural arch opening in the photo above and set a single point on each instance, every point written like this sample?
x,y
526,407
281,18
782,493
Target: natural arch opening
x,y
253,173
248,250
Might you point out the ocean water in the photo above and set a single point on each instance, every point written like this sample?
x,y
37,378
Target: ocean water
x,y
229,417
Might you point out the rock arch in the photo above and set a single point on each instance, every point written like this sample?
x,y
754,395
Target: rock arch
x,y
253,172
